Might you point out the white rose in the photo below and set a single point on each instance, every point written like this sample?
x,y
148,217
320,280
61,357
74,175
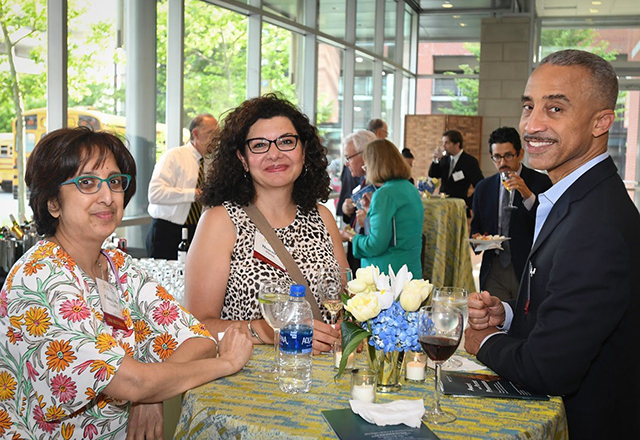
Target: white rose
x,y
415,291
363,307
365,274
357,286
410,300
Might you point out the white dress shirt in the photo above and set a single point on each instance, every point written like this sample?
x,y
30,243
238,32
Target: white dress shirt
x,y
172,187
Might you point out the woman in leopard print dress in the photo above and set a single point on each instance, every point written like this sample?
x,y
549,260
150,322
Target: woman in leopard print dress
x,y
269,154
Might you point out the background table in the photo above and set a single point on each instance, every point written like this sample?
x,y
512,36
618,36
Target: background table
x,y
247,406
446,259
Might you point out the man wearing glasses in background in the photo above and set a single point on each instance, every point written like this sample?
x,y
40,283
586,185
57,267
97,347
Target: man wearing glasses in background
x,y
501,270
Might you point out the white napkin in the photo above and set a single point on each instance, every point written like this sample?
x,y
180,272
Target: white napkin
x,y
408,412
488,246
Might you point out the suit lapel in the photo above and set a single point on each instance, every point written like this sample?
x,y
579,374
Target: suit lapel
x,y
577,191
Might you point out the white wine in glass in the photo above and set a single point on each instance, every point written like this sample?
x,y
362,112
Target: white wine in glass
x,y
332,284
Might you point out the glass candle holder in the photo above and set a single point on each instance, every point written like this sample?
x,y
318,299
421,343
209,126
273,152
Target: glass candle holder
x,y
337,356
363,385
416,363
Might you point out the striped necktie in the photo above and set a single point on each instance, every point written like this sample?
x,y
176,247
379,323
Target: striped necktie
x,y
196,208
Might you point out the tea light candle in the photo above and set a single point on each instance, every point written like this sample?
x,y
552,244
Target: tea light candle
x,y
365,393
350,362
415,370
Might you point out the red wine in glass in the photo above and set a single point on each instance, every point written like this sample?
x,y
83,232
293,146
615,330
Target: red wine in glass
x,y
439,348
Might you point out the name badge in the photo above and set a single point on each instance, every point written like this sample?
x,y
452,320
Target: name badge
x,y
263,251
457,176
111,308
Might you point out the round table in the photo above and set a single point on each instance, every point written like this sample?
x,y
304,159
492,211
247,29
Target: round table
x,y
247,406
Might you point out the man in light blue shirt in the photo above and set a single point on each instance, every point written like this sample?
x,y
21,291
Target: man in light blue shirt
x,y
571,330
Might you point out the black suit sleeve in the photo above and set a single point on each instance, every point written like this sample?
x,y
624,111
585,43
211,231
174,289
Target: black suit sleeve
x,y
476,222
435,170
584,302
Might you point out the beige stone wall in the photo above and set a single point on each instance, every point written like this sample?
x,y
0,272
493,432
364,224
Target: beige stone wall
x,y
504,56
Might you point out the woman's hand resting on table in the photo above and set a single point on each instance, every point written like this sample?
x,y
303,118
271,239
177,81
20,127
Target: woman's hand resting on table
x,y
236,347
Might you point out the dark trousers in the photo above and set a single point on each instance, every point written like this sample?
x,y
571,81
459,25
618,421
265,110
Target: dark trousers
x,y
164,237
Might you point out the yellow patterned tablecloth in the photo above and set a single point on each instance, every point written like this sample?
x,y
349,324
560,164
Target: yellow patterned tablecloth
x,y
445,259
245,406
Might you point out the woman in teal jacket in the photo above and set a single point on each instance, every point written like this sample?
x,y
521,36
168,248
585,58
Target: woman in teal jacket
x,y
394,235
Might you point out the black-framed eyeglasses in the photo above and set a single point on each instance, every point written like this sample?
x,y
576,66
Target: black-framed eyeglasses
x,y
507,156
348,158
287,142
117,183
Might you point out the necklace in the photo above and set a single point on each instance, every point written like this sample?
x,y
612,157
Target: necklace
x,y
101,268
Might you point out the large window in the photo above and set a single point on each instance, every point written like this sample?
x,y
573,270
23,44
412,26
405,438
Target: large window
x,y
215,59
363,92
365,23
329,108
332,17
280,62
390,12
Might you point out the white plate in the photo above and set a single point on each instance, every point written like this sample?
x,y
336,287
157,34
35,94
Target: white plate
x,y
495,241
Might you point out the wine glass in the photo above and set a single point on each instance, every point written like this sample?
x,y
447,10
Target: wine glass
x,y
504,176
452,297
273,298
332,284
439,333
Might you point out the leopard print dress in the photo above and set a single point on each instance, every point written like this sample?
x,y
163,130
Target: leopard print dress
x,y
306,238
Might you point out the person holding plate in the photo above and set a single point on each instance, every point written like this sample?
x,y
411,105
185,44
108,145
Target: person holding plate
x,y
501,269
91,344
268,156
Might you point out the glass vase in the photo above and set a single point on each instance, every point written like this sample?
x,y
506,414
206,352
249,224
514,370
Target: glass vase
x,y
388,367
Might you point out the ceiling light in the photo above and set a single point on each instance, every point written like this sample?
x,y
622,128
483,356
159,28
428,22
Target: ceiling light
x,y
456,16
359,59
447,5
357,109
593,11
596,3
384,73
463,24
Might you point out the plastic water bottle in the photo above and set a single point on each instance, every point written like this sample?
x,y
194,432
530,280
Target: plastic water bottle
x,y
296,338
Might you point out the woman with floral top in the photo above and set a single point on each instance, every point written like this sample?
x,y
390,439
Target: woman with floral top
x,y
90,345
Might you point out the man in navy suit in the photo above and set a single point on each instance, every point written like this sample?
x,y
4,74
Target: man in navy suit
x,y
573,330
501,270
460,179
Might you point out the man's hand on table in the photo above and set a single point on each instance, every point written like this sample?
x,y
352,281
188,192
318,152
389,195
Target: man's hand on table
x,y
473,338
324,336
485,311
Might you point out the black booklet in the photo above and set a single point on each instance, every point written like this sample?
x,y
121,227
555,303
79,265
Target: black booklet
x,y
484,385
350,426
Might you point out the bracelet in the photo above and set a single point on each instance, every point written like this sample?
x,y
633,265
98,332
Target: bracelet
x,y
254,334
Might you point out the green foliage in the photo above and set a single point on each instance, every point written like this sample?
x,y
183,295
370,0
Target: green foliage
x,y
352,336
467,87
552,40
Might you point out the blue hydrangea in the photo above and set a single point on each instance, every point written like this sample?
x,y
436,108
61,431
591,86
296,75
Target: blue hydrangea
x,y
394,330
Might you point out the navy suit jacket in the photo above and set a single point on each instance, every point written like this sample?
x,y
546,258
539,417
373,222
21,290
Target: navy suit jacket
x,y
472,175
521,225
578,336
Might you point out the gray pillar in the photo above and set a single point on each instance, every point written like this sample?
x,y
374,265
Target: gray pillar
x,y
310,68
254,50
349,70
376,103
141,101
56,64
175,69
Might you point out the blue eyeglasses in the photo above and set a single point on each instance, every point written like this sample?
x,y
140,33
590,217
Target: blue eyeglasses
x,y
117,183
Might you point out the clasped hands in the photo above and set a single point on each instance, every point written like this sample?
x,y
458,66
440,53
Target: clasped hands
x,y
486,312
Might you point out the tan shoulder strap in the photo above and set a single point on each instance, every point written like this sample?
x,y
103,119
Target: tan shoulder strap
x,y
289,263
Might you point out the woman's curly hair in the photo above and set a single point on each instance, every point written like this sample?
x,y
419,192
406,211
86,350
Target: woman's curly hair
x,y
226,178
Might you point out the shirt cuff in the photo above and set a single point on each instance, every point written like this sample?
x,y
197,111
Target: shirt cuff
x,y
528,203
508,317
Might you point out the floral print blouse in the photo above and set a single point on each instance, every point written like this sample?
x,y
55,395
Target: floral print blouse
x,y
57,354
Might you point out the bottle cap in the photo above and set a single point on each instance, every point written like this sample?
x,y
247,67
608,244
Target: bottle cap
x,y
297,290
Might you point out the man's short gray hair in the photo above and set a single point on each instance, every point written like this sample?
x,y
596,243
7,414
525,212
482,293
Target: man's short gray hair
x,y
360,139
197,122
604,81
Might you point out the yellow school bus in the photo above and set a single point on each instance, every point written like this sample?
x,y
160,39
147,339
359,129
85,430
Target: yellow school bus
x,y
6,161
35,122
